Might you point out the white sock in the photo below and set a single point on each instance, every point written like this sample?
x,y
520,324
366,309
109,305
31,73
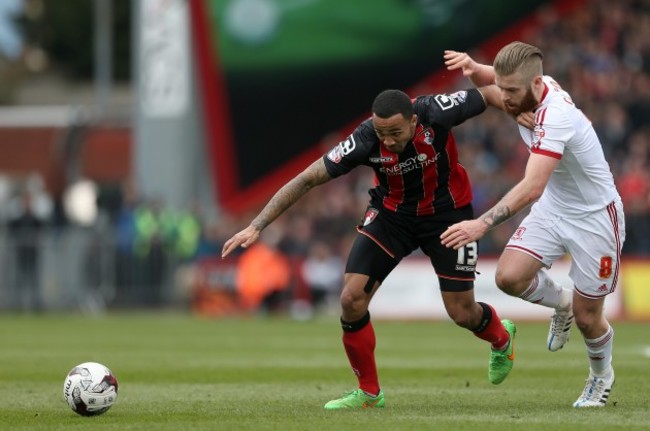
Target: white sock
x,y
544,291
599,351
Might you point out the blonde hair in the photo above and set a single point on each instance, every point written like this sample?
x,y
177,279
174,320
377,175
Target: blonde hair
x,y
519,57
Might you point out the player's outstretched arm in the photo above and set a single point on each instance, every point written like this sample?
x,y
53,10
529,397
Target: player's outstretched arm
x,y
538,172
284,198
480,74
492,96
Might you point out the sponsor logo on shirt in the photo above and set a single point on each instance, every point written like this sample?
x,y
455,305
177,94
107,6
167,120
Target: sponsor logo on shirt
x,y
420,161
342,149
468,268
448,101
335,154
382,159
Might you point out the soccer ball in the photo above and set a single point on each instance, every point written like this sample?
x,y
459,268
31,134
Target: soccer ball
x,y
90,389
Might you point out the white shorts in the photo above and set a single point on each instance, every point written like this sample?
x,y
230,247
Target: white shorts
x,y
593,241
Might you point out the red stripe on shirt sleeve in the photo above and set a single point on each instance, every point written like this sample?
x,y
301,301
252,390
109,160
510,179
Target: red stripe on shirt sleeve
x,y
546,153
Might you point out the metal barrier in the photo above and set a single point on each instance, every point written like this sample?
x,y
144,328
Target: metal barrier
x,y
80,268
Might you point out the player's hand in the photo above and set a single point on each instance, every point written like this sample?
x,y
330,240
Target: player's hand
x,y
461,234
460,60
526,119
244,239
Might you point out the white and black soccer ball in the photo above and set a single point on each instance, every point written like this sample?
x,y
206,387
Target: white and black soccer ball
x,y
90,389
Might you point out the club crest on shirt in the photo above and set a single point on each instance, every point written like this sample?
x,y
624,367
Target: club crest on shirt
x,y
519,233
427,136
538,134
371,215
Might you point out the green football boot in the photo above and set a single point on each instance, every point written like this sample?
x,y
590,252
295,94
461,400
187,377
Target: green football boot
x,y
356,399
501,361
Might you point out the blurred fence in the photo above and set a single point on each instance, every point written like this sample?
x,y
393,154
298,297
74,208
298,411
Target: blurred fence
x,y
88,269
81,268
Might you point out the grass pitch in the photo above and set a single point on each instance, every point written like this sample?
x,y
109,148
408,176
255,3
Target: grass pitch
x,y
182,372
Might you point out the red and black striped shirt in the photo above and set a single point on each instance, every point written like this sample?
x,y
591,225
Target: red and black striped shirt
x,y
426,178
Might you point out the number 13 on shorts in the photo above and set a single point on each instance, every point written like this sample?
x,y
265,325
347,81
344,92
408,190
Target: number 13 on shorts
x,y
467,255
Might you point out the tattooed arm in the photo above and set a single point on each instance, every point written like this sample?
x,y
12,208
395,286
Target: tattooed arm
x,y
527,191
284,198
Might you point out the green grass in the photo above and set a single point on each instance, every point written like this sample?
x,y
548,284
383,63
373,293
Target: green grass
x,y
180,372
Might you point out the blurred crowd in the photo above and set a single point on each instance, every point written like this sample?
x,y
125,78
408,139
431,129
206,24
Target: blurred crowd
x,y
600,54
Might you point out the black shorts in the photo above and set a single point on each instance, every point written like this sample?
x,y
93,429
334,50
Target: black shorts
x,y
385,238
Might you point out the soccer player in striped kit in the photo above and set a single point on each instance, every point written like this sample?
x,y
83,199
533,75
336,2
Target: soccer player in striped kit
x,y
576,210
421,190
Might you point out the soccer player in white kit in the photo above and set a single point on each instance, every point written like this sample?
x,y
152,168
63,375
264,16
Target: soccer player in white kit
x,y
576,209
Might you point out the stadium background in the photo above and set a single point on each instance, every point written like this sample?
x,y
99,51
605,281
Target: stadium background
x,y
146,133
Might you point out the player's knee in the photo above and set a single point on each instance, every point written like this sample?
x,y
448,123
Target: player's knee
x,y
353,304
508,281
586,321
586,324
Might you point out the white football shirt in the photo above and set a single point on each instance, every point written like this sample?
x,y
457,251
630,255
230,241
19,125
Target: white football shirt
x,y
582,181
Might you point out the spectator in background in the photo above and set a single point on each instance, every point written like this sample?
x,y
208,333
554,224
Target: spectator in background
x,y
186,236
125,237
25,233
634,186
212,237
153,237
322,271
263,275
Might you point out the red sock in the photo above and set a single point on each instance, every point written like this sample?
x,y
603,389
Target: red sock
x,y
360,348
491,329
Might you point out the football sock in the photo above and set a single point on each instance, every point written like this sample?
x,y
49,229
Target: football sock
x,y
599,351
359,342
545,291
491,329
